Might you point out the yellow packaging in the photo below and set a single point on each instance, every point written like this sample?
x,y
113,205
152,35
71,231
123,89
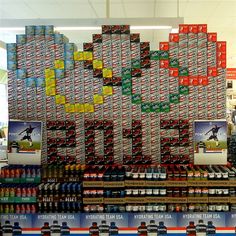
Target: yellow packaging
x,y
107,90
50,82
88,107
70,108
60,99
79,56
59,64
88,56
50,91
97,64
98,99
107,73
79,107
49,74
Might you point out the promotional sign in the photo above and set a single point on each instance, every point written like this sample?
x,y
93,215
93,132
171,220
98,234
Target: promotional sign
x,y
231,73
56,224
15,224
210,142
24,142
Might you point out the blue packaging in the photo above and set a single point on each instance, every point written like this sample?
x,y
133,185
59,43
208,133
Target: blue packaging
x,y
59,38
30,82
59,73
69,47
11,65
39,30
11,56
49,29
20,38
69,55
30,30
40,82
69,65
11,47
21,74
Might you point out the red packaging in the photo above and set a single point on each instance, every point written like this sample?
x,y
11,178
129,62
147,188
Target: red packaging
x,y
164,64
221,55
193,80
221,46
173,72
221,63
203,80
212,37
202,28
173,38
193,29
164,46
183,28
212,71
184,80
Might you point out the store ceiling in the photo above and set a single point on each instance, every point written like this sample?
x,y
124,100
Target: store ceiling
x,y
220,15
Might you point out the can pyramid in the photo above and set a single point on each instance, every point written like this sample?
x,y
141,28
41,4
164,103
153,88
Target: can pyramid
x,y
117,101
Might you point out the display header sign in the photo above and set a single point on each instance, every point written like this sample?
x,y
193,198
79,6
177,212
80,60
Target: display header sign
x,y
231,73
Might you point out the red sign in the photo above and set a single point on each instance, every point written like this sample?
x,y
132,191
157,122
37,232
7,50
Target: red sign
x,y
231,73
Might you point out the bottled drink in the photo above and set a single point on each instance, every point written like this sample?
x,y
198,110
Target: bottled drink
x,y
45,230
103,229
161,229
17,229
114,230
93,230
142,229
201,228
65,229
55,229
211,229
152,228
7,229
191,229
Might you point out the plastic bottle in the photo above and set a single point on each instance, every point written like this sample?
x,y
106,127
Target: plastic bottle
x,y
152,228
103,229
7,229
191,229
142,229
113,230
93,230
211,229
45,230
65,229
17,229
161,229
55,229
201,228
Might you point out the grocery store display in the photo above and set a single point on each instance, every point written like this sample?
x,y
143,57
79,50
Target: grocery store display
x,y
117,101
117,134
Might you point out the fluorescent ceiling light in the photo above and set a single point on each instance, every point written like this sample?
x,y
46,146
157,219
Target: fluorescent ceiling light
x,y
78,28
12,28
151,27
87,28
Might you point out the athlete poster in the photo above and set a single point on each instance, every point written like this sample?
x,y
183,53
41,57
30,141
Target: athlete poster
x,y
24,142
210,142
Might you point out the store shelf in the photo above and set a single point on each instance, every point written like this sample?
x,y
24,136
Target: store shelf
x,y
18,200
20,180
60,180
114,201
167,183
93,200
114,184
